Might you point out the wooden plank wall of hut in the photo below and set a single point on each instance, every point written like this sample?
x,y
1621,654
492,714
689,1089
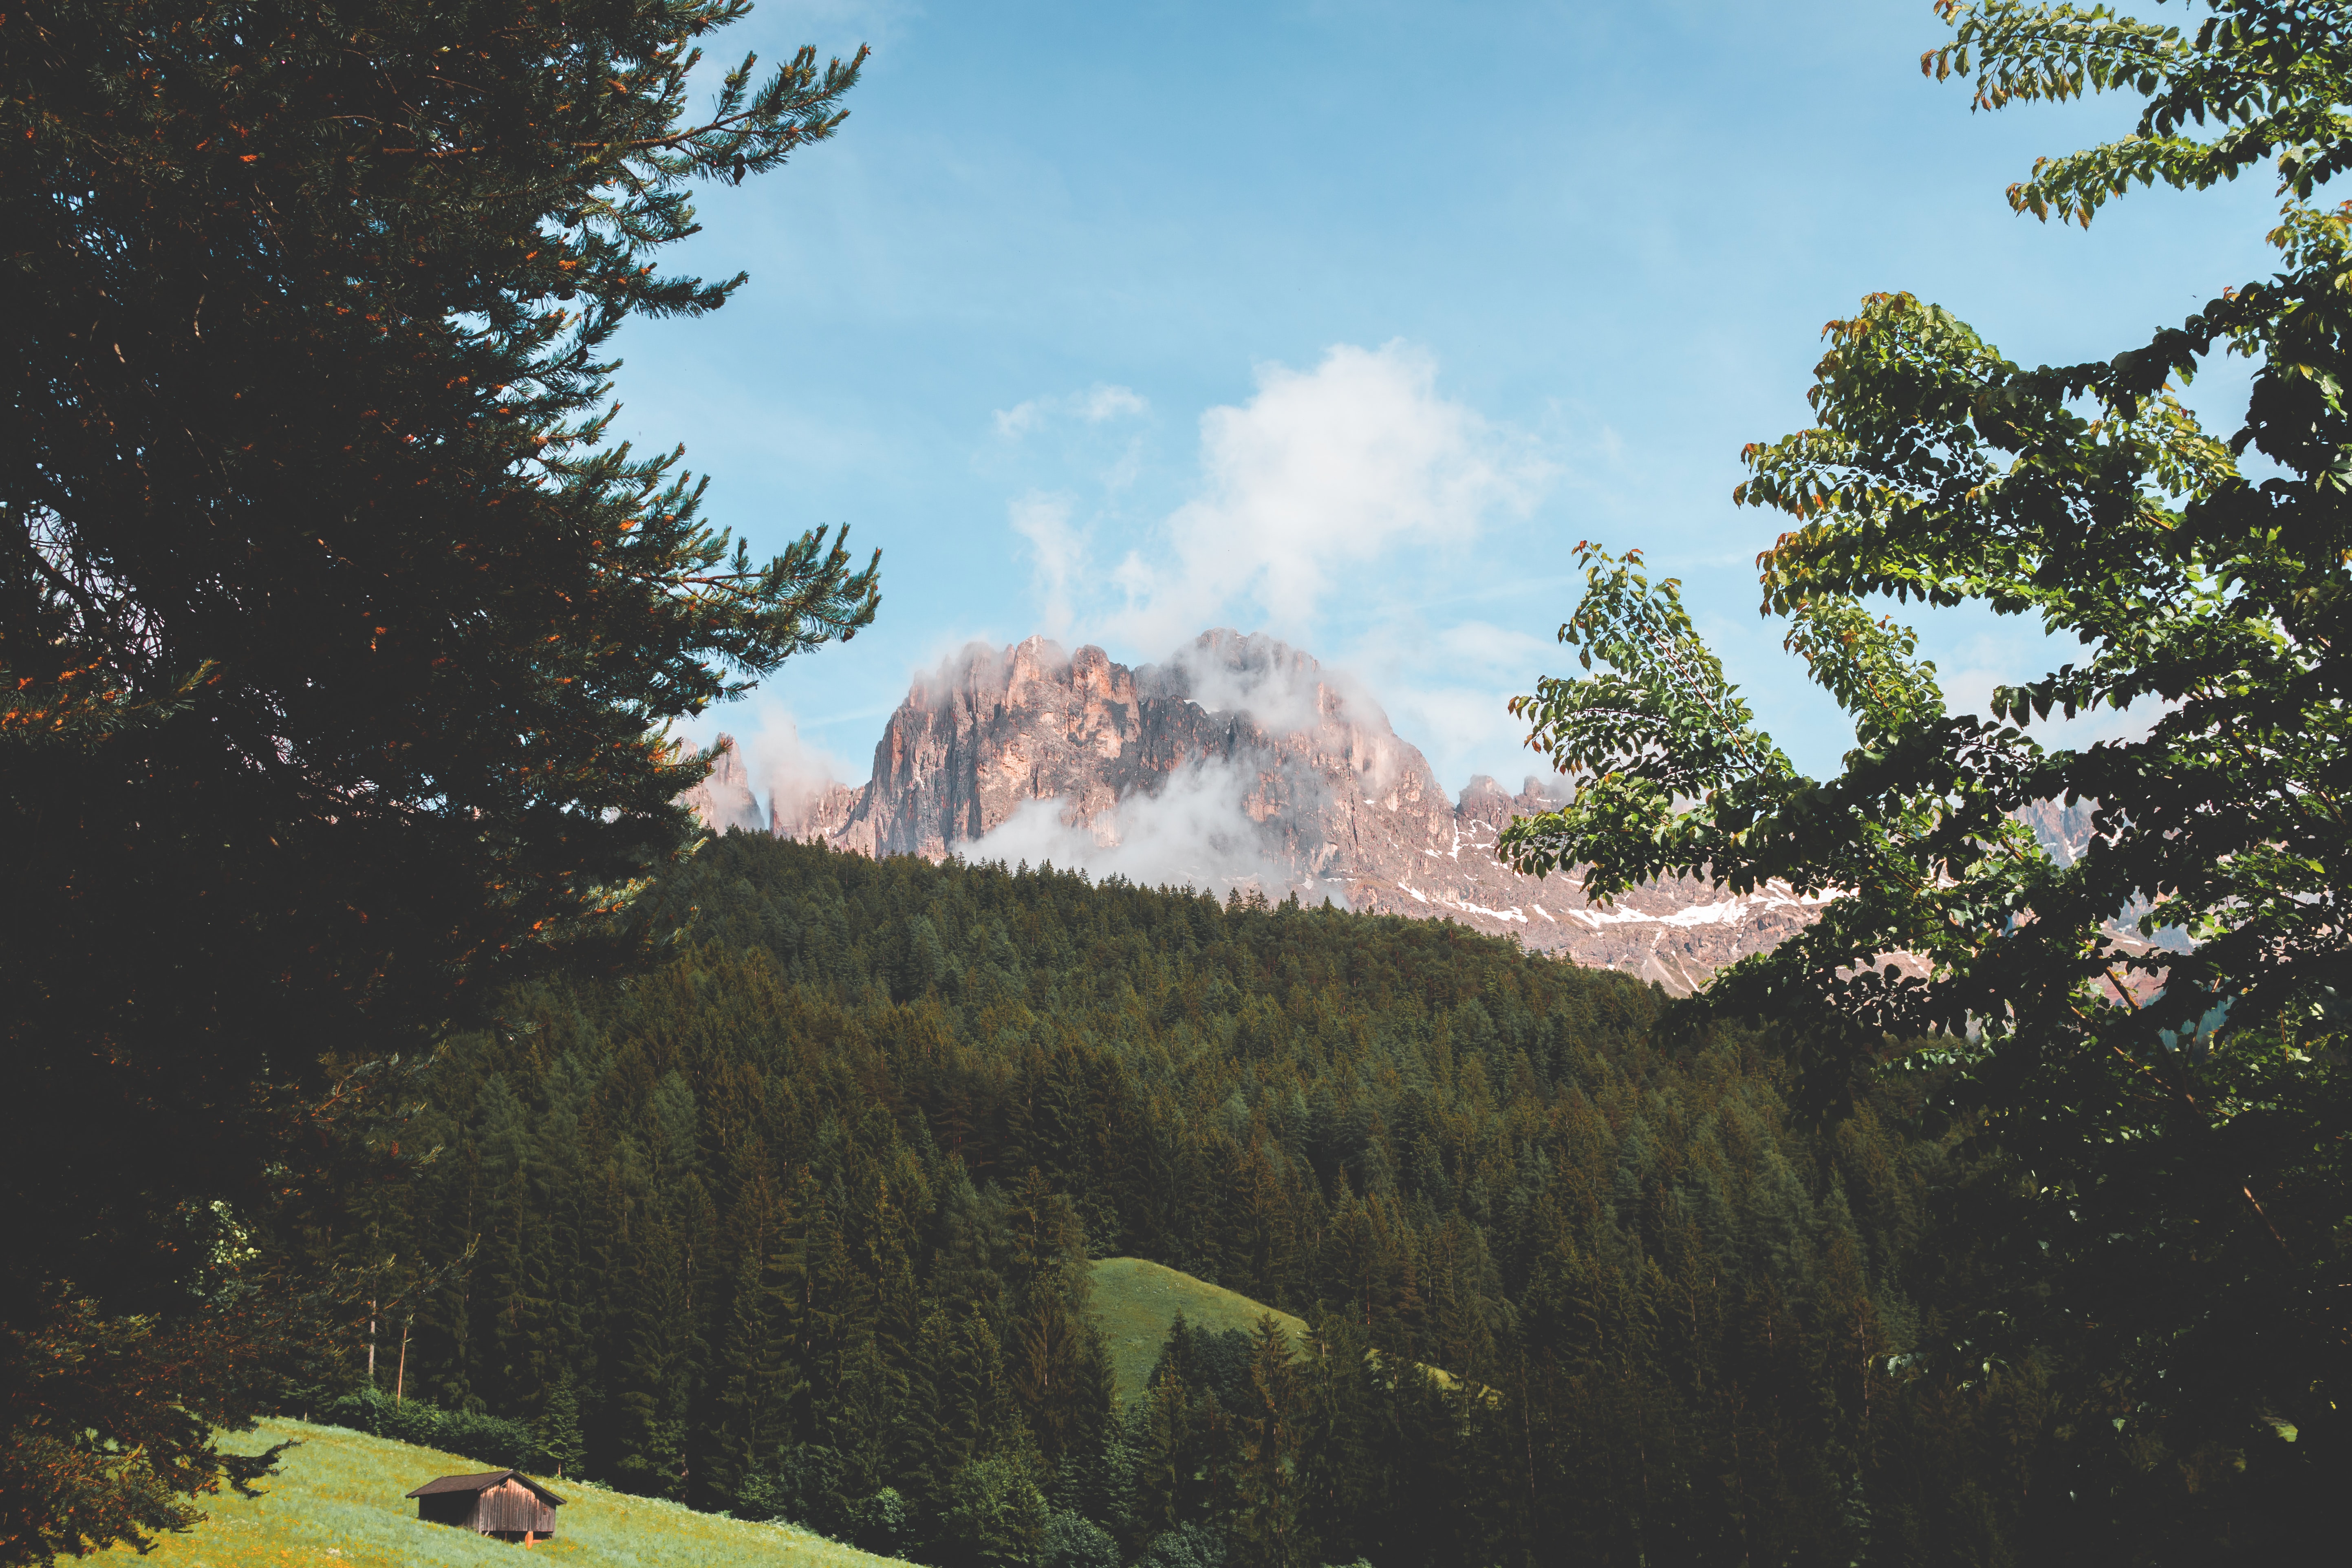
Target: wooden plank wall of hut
x,y
512,1506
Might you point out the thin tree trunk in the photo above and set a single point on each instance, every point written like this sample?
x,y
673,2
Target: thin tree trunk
x,y
371,1342
400,1378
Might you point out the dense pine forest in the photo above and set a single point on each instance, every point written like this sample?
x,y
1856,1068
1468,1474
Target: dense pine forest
x,y
795,1225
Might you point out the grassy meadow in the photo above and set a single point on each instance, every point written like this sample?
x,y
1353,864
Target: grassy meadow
x,y
338,1498
337,1502
1135,1302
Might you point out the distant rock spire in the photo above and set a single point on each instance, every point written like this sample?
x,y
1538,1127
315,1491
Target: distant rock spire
x,y
724,801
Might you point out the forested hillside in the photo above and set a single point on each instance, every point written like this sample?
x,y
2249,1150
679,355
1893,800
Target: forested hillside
x,y
795,1225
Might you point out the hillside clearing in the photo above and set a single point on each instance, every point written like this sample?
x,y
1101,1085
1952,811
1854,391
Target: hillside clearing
x,y
1137,1300
338,1500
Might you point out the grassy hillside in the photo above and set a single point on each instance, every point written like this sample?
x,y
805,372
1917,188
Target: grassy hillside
x,y
336,1500
1137,1300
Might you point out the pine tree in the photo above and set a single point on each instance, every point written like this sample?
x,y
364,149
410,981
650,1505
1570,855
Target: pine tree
x,y
337,637
1055,1354
653,1377
1160,1442
1268,1525
1627,1382
559,1431
1335,1428
837,1317
745,1428
983,1408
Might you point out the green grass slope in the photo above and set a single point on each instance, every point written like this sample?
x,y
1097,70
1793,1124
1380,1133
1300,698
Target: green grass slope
x,y
337,1501
1137,1300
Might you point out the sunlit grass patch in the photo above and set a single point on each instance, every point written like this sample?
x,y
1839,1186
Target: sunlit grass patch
x,y
1137,1300
338,1502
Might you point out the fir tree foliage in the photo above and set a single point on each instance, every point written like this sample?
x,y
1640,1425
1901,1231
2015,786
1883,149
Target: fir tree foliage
x,y
339,636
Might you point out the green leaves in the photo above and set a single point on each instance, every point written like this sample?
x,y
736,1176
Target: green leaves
x,y
1659,724
1866,663
2181,1101
2263,75
1663,686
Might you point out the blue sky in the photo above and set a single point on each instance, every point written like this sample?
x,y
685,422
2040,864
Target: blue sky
x,y
1346,321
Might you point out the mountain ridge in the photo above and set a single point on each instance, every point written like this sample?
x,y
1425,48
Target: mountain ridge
x,y
1240,761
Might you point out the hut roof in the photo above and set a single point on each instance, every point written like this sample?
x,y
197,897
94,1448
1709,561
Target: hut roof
x,y
482,1483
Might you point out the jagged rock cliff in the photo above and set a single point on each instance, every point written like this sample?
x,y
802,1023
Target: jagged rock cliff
x,y
1320,795
724,799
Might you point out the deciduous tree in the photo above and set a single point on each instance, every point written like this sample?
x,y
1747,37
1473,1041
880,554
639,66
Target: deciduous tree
x,y
2172,1097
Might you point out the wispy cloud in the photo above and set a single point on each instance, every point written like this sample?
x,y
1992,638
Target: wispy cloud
x,y
1320,473
1059,549
1448,688
1969,690
787,772
1098,405
1323,509
1194,832
825,21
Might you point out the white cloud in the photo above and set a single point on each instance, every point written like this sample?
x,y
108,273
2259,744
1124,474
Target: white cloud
x,y
1449,688
1195,832
1060,551
1975,650
1098,405
789,771
1110,403
1018,420
786,772
1326,509
1322,472
1463,729
1488,647
1228,674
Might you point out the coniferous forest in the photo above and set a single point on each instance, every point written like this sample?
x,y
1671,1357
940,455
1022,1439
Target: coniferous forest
x,y
795,1225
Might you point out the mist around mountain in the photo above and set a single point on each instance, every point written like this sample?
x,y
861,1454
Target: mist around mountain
x,y
1237,763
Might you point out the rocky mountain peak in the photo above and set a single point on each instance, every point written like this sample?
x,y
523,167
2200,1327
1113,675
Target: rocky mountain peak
x,y
1240,759
724,798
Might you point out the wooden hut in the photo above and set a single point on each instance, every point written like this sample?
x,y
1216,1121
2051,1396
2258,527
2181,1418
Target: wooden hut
x,y
504,1503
